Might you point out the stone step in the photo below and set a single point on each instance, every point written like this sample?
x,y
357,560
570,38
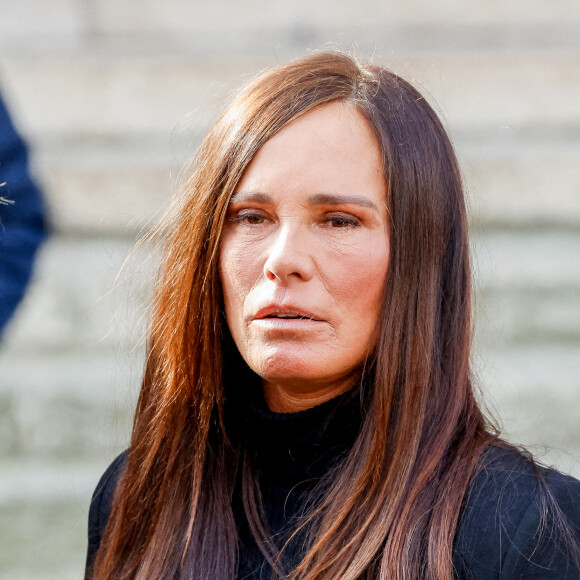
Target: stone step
x,y
526,185
43,22
83,298
83,301
70,375
68,409
118,188
540,260
534,394
58,531
289,39
72,407
264,26
528,316
222,15
114,96
41,480
107,188
53,516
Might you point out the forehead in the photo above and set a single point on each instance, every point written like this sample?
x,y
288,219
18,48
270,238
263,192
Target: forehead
x,y
330,149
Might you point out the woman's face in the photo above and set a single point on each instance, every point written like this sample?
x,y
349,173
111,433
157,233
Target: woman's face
x,y
305,251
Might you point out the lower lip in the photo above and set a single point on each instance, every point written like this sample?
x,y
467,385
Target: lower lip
x,y
288,324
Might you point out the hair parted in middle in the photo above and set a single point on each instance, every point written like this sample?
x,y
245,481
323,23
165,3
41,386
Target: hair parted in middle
x,y
391,509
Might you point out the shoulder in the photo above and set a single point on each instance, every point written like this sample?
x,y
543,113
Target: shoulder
x,y
101,504
102,499
514,518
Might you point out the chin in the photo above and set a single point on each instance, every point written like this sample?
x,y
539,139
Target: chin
x,y
288,369
299,371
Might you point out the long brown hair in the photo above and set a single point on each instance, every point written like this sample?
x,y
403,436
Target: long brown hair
x,y
391,510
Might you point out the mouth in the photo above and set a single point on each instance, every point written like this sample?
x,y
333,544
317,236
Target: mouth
x,y
277,312
286,316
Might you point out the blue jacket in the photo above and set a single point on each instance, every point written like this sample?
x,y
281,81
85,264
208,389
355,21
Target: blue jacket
x,y
22,221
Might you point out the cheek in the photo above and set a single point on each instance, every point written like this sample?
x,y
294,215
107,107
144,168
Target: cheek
x,y
359,280
237,274
230,271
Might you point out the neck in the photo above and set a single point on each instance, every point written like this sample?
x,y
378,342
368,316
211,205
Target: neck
x,y
281,399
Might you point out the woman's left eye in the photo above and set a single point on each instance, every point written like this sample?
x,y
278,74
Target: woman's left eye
x,y
342,221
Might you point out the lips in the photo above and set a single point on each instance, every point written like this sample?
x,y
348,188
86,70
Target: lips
x,y
284,312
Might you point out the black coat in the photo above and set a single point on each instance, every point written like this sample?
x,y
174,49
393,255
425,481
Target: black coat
x,y
499,536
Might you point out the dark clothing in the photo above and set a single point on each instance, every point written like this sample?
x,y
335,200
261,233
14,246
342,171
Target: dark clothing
x,y
497,537
22,225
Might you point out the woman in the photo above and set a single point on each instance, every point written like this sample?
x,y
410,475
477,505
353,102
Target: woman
x,y
307,408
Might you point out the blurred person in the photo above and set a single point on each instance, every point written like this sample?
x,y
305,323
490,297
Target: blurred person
x,y
22,218
307,409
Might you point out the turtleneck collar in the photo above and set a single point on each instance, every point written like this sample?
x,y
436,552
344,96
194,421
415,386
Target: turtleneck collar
x,y
290,448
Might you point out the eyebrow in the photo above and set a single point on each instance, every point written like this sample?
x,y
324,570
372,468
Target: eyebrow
x,y
250,196
317,199
331,199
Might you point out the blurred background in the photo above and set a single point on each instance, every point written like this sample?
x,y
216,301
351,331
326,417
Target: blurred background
x,y
114,95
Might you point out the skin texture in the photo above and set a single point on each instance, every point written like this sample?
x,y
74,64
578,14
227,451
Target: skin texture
x,y
307,236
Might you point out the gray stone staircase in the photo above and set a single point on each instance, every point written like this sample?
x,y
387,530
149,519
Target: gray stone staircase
x,y
114,96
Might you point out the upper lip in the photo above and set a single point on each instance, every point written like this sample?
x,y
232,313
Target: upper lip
x,y
273,309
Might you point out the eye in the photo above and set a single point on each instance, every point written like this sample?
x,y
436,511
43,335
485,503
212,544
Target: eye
x,y
342,220
249,217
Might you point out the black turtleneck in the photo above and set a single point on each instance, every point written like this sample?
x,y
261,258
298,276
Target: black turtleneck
x,y
290,453
291,448
498,533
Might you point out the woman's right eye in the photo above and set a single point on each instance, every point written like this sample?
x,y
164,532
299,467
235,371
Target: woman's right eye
x,y
252,218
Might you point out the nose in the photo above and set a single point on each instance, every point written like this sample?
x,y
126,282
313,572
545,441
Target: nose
x,y
289,257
